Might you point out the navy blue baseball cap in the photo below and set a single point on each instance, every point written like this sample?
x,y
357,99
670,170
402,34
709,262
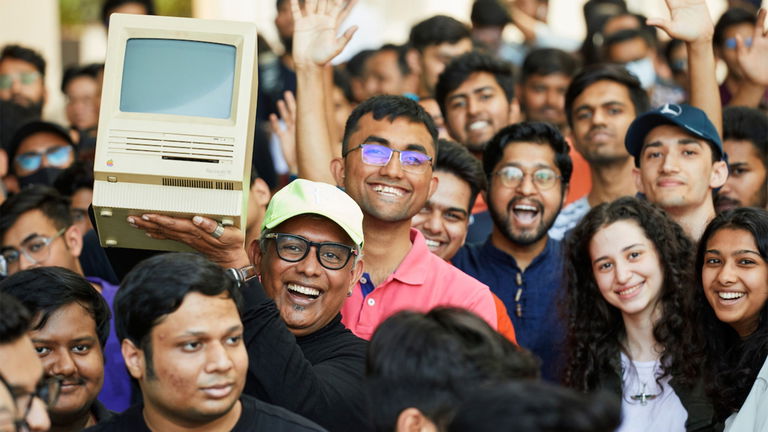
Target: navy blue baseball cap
x,y
689,118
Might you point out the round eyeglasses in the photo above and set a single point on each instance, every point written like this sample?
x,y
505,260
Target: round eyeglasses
x,y
380,155
47,390
25,78
36,249
294,248
512,176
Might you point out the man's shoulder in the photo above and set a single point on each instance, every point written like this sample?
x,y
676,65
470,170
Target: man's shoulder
x,y
258,415
131,420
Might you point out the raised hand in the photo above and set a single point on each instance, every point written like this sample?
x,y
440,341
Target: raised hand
x,y
690,21
315,29
287,132
754,60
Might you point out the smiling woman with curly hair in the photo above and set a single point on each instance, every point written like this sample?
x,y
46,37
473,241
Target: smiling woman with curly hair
x,y
629,302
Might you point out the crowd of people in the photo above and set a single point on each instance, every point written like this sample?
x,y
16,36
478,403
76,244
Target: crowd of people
x,y
458,233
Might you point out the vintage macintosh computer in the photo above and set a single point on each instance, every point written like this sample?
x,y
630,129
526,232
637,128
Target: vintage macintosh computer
x,y
176,124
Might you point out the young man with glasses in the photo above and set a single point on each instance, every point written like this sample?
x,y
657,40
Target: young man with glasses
x,y
22,75
70,326
39,152
36,230
22,370
386,159
528,170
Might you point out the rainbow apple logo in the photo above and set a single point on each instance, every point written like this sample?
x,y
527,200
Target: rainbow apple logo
x,y
110,163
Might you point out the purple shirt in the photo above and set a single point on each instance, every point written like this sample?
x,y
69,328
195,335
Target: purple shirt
x,y
116,392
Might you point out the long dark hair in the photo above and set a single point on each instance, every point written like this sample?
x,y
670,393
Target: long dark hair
x,y
733,362
596,329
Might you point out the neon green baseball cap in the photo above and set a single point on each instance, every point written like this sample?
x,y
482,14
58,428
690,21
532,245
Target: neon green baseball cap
x,y
303,196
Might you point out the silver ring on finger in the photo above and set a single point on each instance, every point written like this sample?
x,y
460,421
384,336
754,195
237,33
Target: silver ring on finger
x,y
218,231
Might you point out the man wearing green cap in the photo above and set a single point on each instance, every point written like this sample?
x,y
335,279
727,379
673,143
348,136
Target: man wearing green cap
x,y
308,258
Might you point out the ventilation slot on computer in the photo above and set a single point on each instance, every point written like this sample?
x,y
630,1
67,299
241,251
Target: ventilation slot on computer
x,y
189,149
203,184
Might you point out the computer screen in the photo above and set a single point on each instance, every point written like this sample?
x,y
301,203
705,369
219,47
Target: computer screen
x,y
181,77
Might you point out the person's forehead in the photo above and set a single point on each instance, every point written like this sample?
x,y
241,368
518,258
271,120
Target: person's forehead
x,y
316,228
526,154
29,223
68,321
603,91
198,314
669,134
40,141
400,132
476,81
14,65
559,79
82,84
451,48
21,366
452,191
742,151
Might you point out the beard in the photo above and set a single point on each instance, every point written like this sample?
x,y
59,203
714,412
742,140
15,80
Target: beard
x,y
523,237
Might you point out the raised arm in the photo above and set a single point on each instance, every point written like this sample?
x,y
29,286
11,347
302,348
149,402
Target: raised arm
x,y
753,61
691,22
314,45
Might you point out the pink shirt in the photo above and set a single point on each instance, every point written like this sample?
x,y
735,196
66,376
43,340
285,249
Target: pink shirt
x,y
421,282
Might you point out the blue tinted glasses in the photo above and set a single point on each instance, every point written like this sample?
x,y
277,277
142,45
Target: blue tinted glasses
x,y
730,43
55,156
379,155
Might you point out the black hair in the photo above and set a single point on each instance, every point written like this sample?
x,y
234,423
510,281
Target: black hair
x,y
14,319
28,55
489,13
157,286
733,362
356,64
111,5
548,61
437,30
431,360
627,35
454,158
92,71
44,290
606,72
748,124
74,178
401,52
669,49
50,202
341,80
529,132
461,67
392,108
731,17
595,329
530,406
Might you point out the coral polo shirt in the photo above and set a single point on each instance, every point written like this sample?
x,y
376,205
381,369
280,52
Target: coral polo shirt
x,y
421,282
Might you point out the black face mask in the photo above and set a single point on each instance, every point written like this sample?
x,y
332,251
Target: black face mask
x,y
45,176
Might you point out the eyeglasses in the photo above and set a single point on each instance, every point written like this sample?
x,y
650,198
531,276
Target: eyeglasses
x,y
512,176
35,249
55,156
26,78
379,155
47,390
294,248
730,43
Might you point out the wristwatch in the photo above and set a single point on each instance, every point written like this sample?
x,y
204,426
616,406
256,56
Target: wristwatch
x,y
242,274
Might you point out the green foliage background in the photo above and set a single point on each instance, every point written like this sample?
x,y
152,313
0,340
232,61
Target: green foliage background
x,y
76,13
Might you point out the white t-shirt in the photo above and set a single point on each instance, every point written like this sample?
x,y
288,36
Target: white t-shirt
x,y
753,415
660,412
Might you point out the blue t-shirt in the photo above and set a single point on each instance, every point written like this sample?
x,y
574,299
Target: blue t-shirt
x,y
116,392
535,314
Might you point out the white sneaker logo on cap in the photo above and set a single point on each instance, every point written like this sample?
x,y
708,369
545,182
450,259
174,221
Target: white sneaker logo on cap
x,y
672,109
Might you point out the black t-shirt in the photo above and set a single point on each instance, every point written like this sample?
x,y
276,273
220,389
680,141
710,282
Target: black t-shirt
x,y
256,416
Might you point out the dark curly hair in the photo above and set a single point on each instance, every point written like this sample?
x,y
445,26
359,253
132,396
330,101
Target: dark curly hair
x,y
596,329
732,362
